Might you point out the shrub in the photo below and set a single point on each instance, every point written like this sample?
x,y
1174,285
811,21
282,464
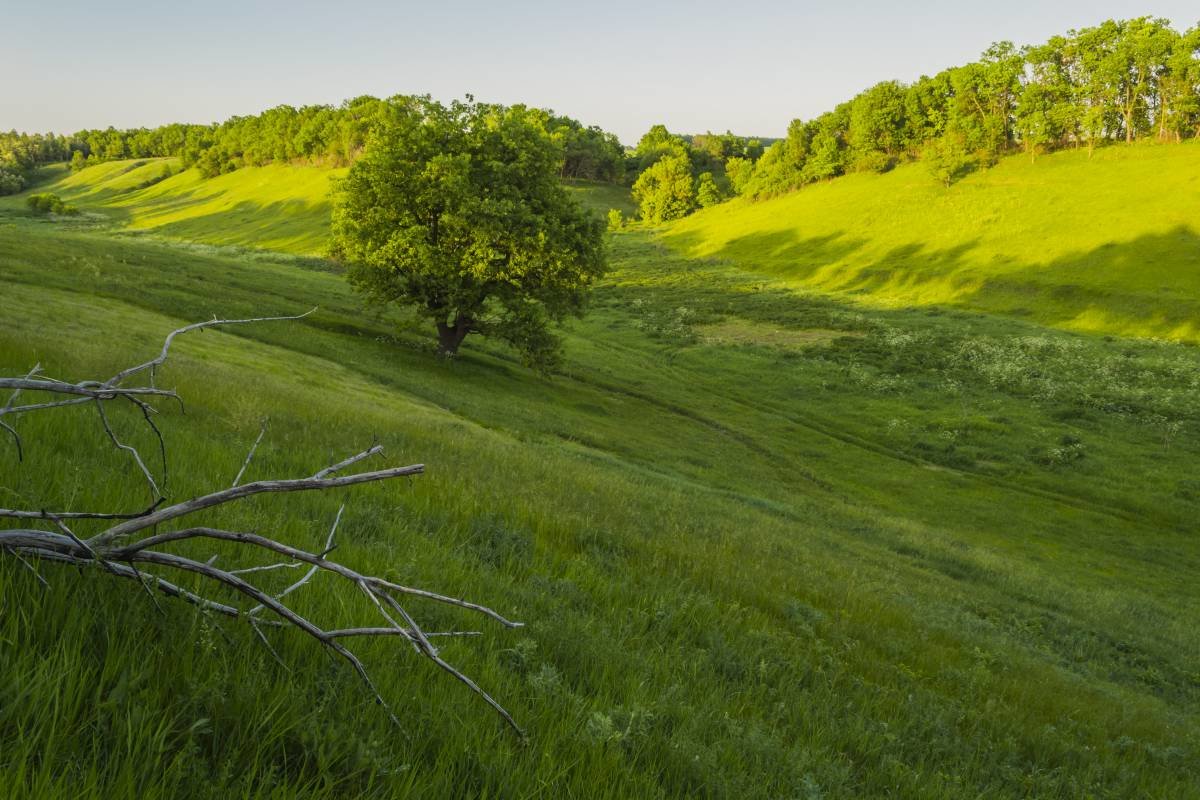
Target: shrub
x,y
10,182
615,220
666,190
948,160
49,204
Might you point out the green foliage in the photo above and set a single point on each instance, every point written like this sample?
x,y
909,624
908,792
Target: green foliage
x,y
11,182
317,134
877,127
666,190
739,171
616,220
718,165
708,193
457,212
49,204
589,153
658,143
948,159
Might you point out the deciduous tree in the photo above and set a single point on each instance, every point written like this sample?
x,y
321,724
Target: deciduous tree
x,y
457,212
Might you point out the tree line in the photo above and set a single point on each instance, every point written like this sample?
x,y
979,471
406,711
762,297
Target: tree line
x,y
319,134
1118,81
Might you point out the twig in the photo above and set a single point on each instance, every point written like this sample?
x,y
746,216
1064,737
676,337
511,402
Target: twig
x,y
354,459
311,570
137,457
32,568
262,432
12,513
158,360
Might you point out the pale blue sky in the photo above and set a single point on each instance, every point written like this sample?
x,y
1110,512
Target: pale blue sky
x,y
749,67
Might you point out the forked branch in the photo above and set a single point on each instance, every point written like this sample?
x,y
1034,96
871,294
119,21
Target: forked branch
x,y
133,541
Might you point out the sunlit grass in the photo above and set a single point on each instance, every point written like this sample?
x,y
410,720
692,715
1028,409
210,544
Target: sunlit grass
x,y
280,207
1109,243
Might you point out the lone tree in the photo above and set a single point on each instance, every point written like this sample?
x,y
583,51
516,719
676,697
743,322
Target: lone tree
x,y
458,212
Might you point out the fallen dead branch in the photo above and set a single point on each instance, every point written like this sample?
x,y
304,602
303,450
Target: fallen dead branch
x,y
142,545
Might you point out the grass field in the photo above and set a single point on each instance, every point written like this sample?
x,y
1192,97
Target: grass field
x,y
277,207
1109,243
769,543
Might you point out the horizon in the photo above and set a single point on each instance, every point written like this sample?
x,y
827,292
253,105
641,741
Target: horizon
x,y
743,79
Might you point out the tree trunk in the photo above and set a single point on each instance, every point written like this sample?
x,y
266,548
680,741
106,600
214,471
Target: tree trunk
x,y
451,336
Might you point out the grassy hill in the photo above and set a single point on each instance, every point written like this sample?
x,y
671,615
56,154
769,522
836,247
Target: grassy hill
x,y
277,207
1108,243
768,542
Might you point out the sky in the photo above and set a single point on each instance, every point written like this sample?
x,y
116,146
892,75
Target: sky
x,y
695,66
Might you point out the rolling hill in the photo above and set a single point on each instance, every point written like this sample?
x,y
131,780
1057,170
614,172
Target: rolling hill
x,y
799,516
1107,243
277,207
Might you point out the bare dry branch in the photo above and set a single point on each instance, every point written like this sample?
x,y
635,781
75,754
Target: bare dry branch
x,y
187,507
161,358
354,459
111,549
261,432
311,570
12,513
137,457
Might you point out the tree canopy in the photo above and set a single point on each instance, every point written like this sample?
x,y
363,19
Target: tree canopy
x,y
457,211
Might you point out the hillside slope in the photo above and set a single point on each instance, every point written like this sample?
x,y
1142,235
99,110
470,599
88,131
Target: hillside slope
x,y
717,522
1110,243
277,207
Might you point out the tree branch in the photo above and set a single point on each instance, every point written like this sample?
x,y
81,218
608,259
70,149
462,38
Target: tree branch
x,y
111,550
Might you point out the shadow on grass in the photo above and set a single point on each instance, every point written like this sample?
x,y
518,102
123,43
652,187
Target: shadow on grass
x,y
1148,286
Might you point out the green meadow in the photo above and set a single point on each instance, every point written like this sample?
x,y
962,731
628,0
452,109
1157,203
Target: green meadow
x,y
1105,243
878,489
279,207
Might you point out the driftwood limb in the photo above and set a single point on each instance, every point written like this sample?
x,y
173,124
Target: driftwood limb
x,y
134,546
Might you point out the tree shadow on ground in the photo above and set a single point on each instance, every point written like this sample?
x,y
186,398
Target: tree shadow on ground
x,y
1147,286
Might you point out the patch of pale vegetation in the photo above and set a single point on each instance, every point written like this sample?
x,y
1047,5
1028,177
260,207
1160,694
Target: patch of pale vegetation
x,y
733,330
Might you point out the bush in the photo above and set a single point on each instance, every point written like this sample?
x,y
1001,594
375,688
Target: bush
x,y
49,204
10,182
615,220
666,190
947,159
875,161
